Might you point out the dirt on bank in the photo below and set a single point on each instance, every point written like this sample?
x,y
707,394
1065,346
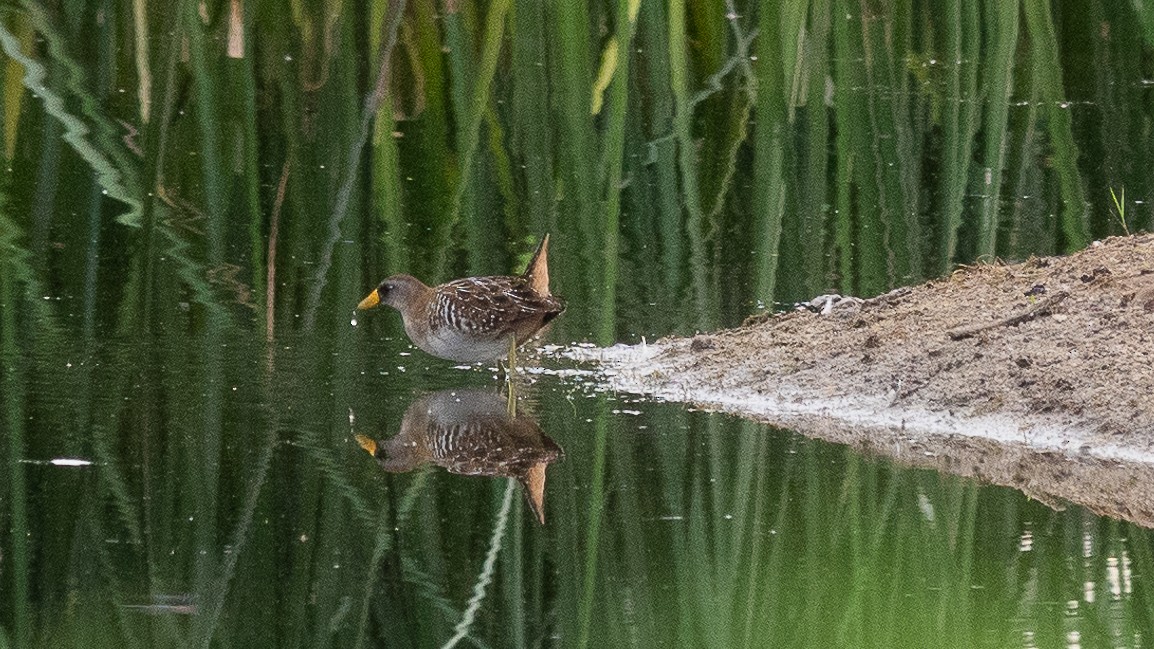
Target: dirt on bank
x,y
1038,375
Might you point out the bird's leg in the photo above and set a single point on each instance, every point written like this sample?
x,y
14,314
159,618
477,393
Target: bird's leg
x,y
512,364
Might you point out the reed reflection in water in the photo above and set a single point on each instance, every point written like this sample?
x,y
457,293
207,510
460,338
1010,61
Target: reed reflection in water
x,y
470,432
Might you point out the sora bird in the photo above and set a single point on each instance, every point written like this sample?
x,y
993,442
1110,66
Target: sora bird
x,y
475,319
469,432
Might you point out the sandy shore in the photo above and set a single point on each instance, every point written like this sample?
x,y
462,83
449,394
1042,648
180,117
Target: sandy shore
x,y
1038,375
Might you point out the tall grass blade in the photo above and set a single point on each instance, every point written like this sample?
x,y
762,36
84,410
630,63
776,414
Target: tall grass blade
x,y
351,171
218,585
687,160
960,117
613,157
113,178
387,198
140,54
734,128
1003,29
19,577
13,90
661,152
1059,125
592,546
482,89
810,202
777,52
480,588
530,118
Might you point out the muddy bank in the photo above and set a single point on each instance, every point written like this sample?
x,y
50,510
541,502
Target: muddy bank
x,y
1038,375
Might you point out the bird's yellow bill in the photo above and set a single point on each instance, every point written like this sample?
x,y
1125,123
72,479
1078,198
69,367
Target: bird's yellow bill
x,y
372,300
367,444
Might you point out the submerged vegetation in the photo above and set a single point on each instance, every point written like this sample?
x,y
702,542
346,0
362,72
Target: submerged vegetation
x,y
196,193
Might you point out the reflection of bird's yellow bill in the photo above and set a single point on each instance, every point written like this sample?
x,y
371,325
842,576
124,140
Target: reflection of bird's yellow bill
x,y
367,444
372,300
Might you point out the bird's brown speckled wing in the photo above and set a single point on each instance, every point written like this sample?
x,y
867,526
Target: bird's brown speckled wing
x,y
491,306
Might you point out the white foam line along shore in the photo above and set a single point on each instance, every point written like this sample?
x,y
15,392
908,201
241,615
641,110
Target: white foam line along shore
x,y
633,368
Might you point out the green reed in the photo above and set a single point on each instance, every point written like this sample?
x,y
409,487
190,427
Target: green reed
x,y
769,176
1056,108
1004,31
15,488
430,150
960,117
13,93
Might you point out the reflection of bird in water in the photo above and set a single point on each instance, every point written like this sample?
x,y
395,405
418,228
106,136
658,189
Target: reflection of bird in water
x,y
470,432
474,319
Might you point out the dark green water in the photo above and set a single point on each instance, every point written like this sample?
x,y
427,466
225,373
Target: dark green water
x,y
183,235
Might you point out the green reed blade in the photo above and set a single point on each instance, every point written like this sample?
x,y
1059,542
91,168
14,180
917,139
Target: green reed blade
x,y
888,233
713,106
90,550
206,76
179,230
425,150
574,195
14,409
217,587
858,240
776,562
140,54
635,552
734,127
661,149
520,588
604,75
113,480
777,45
1047,69
117,179
462,67
1003,41
479,97
241,75
1100,70
529,117
903,146
958,135
502,172
204,441
593,531
484,229
613,161
387,199
1144,16
812,195
485,577
352,160
687,159
1026,227
11,101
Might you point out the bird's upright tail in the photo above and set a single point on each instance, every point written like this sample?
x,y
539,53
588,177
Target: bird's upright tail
x,y
537,271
